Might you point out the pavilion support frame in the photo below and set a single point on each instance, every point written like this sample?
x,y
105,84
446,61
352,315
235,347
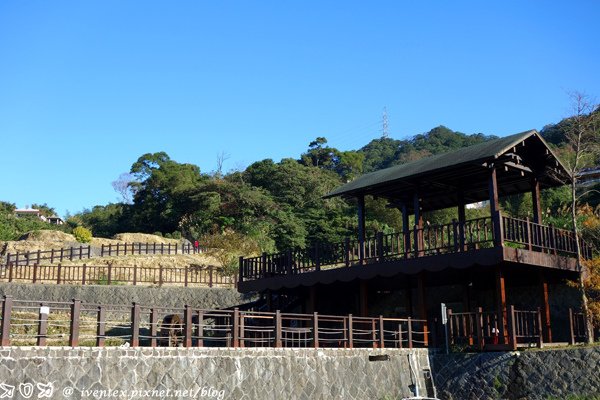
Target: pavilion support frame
x,y
361,227
500,295
547,327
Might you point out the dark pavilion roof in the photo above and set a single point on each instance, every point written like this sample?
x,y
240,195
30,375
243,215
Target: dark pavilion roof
x,y
439,179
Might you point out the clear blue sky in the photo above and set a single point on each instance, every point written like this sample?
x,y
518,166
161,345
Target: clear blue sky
x,y
86,87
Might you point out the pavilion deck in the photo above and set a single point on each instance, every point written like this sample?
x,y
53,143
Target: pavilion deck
x,y
482,241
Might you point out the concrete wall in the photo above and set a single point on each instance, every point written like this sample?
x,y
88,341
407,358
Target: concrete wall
x,y
148,296
531,375
216,373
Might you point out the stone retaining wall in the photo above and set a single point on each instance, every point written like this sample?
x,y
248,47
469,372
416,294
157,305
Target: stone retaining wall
x,y
217,373
164,296
546,374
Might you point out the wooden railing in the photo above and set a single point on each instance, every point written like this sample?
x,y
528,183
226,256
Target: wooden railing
x,y
86,252
79,324
112,274
480,329
542,238
576,327
429,240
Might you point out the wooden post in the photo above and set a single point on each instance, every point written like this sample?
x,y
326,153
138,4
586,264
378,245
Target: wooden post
x,y
153,327
62,254
317,258
27,256
102,251
89,251
379,241
58,271
347,251
461,220
361,229
71,254
135,325
35,272
315,321
422,305
200,342
7,305
236,327
101,326
241,269
288,262
540,328
455,234
405,231
410,338
350,332
419,244
381,333
80,252
501,303
511,328
535,197
135,274
479,327
83,274
185,278
546,327
211,271
42,326
160,275
528,233
110,273
571,328
10,272
277,328
39,256
495,208
17,259
74,329
162,248
187,335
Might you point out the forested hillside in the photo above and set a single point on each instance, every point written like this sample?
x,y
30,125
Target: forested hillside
x,y
276,205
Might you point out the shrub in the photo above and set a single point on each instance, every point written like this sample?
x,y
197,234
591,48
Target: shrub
x,y
83,235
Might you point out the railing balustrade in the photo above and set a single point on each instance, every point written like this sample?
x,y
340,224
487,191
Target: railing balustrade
x,y
429,240
81,324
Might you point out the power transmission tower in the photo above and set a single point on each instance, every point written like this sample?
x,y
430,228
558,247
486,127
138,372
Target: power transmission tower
x,y
385,123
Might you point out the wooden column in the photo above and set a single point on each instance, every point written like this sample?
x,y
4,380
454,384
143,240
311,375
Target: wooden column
x,y
495,207
535,197
418,224
501,302
363,299
461,220
546,326
422,304
405,230
361,228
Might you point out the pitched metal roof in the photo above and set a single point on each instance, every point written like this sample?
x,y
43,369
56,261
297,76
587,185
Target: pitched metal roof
x,y
429,165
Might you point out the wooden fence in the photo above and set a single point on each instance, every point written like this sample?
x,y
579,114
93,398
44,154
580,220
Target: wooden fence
x,y
108,274
78,324
484,330
106,250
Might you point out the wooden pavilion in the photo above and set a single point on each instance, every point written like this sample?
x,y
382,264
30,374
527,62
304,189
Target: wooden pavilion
x,y
481,267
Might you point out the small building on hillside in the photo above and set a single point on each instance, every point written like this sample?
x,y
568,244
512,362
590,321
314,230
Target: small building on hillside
x,y
492,271
29,212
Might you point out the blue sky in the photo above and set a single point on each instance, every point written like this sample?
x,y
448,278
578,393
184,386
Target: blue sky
x,y
86,87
